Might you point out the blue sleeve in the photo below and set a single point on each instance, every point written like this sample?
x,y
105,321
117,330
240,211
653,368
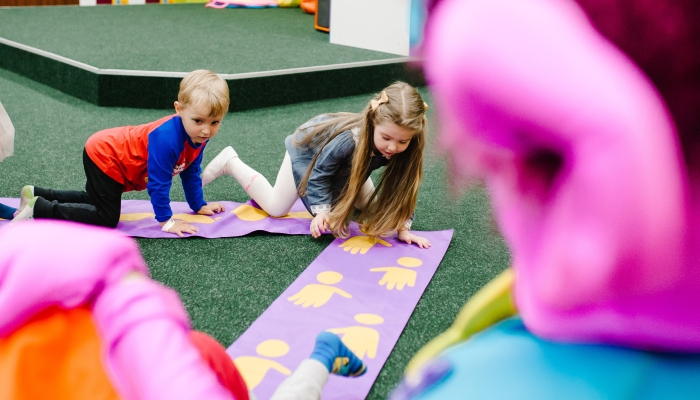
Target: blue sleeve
x,y
163,152
192,183
318,187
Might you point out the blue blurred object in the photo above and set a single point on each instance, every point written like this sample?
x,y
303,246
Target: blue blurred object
x,y
506,361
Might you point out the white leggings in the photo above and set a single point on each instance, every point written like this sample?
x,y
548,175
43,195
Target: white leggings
x,y
278,200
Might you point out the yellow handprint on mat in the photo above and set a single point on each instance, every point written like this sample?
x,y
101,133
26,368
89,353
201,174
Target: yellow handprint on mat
x,y
396,277
362,244
317,295
246,212
361,339
399,277
253,369
191,218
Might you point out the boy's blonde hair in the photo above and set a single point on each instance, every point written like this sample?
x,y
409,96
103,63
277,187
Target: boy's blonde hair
x,y
202,87
394,198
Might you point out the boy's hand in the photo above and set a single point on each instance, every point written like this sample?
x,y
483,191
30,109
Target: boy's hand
x,y
406,236
319,224
211,209
181,227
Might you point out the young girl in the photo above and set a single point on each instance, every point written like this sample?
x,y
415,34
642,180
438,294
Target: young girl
x,y
328,164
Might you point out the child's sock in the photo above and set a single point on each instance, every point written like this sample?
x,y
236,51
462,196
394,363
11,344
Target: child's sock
x,y
24,197
219,165
27,212
331,352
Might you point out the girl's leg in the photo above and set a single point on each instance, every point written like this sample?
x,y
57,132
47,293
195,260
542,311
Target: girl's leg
x,y
277,200
365,194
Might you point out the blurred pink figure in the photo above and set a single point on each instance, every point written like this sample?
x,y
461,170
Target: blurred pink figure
x,y
581,157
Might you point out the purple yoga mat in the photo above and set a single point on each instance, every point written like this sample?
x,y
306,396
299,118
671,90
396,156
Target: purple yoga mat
x,y
364,294
137,219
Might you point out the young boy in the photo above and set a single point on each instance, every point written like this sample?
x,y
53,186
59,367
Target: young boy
x,y
142,157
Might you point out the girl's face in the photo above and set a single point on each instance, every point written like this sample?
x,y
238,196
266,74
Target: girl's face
x,y
390,139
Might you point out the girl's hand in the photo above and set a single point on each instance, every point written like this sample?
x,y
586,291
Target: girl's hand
x,y
319,224
211,209
406,236
181,227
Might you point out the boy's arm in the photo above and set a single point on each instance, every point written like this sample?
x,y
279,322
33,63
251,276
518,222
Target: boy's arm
x,y
192,183
162,156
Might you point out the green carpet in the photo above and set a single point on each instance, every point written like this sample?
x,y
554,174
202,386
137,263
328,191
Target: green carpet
x,y
179,37
226,284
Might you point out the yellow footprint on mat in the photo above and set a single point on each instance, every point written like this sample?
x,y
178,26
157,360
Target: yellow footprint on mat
x,y
246,212
131,217
196,218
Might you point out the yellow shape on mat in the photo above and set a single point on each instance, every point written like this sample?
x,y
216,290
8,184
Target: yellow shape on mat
x,y
395,277
253,369
196,218
409,262
362,244
246,212
361,339
131,217
317,295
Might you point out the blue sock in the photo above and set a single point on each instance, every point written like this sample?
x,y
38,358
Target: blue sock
x,y
7,212
331,352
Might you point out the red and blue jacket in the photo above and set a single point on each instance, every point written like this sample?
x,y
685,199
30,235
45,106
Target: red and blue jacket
x,y
148,157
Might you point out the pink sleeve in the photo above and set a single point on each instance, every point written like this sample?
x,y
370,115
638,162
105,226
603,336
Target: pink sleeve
x,y
149,354
46,263
581,160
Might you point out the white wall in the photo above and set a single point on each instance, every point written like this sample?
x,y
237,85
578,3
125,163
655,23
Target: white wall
x,y
380,25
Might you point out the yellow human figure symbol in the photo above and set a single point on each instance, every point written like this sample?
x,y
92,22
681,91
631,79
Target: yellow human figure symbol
x,y
399,277
246,212
131,217
253,369
362,244
317,295
361,339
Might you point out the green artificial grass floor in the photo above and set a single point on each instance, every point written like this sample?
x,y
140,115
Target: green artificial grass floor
x,y
226,284
179,37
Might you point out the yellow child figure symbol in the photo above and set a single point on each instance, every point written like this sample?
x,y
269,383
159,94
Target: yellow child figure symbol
x,y
253,369
246,212
399,277
362,244
361,339
317,295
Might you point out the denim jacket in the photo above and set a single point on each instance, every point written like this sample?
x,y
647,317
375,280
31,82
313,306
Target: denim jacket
x,y
332,169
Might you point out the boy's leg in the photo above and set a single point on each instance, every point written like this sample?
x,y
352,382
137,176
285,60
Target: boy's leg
x,y
276,201
330,355
7,212
99,205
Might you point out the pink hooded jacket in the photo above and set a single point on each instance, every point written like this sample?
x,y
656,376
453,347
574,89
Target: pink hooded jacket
x,y
147,352
581,158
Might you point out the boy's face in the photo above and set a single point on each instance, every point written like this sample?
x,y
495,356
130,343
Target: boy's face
x,y
199,125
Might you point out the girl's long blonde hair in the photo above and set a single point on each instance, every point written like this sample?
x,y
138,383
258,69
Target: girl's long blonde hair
x,y
395,195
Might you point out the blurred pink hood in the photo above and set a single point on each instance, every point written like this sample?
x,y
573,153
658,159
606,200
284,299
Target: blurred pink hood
x,y
583,166
147,352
